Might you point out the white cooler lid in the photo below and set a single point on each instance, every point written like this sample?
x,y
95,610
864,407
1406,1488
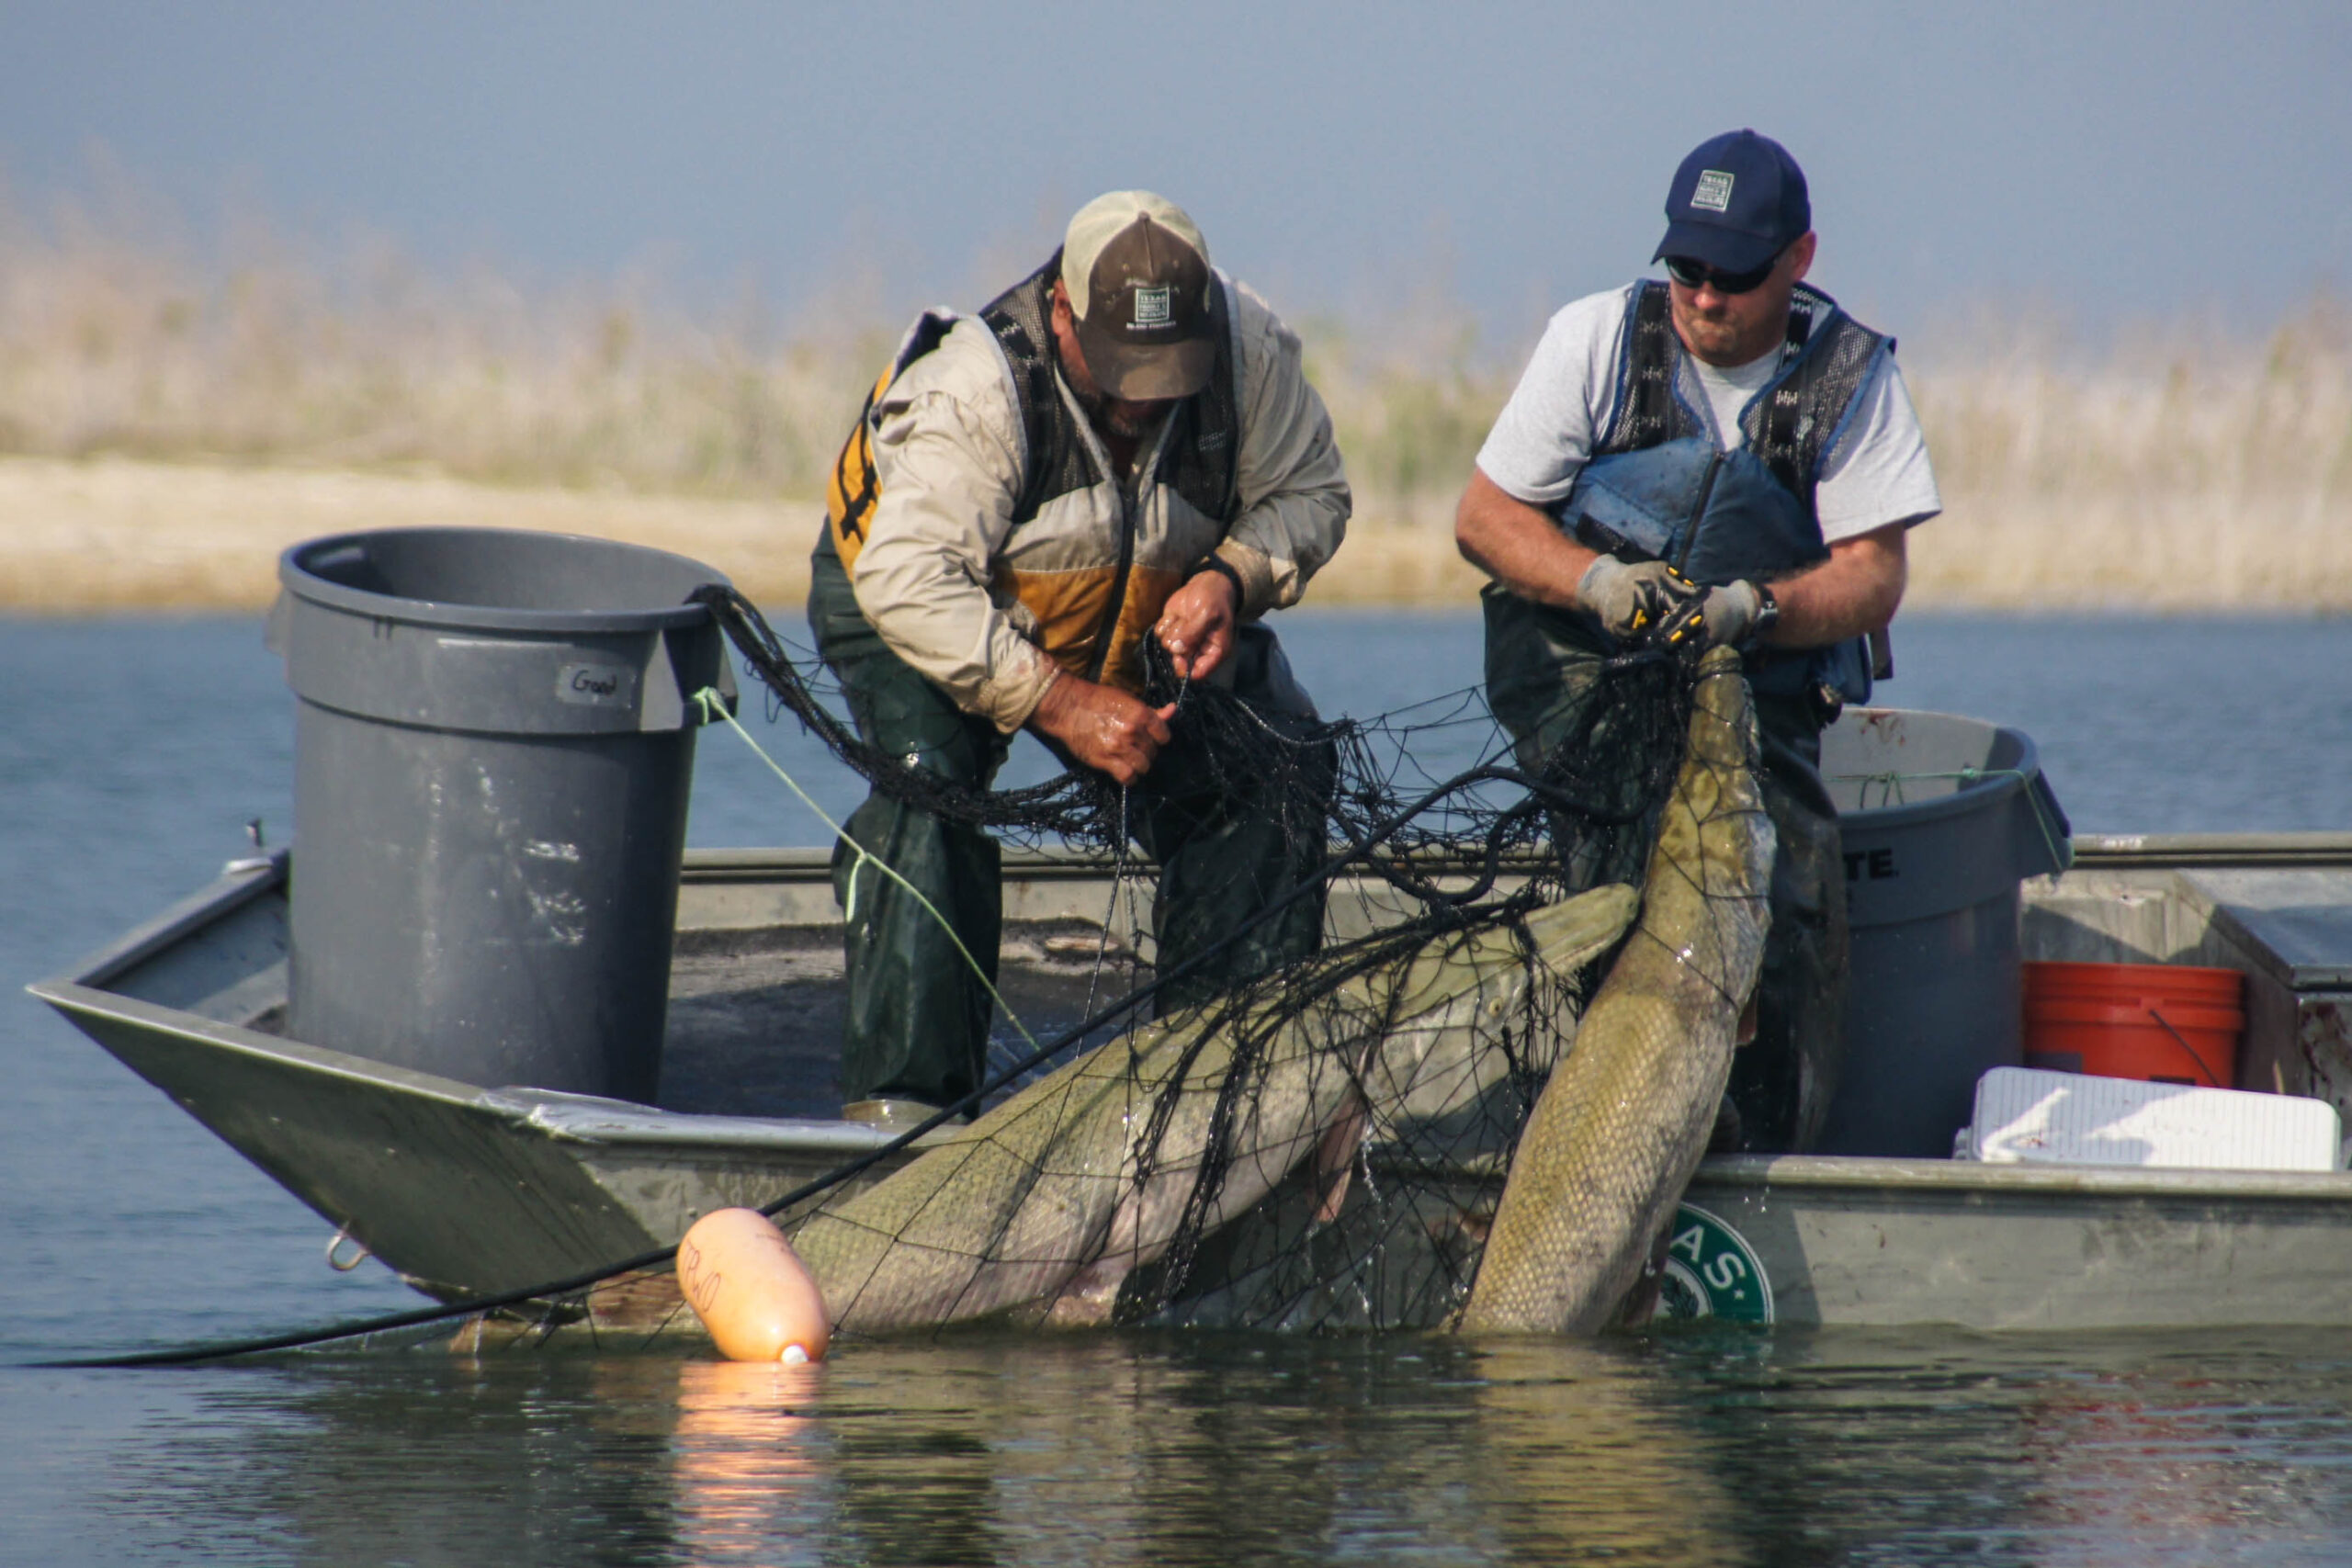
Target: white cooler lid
x,y
2024,1113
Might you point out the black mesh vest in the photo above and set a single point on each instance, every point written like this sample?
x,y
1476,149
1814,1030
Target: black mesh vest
x,y
1201,460
1824,361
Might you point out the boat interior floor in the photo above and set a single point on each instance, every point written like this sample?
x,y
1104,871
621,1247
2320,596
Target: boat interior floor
x,y
754,1023
756,1016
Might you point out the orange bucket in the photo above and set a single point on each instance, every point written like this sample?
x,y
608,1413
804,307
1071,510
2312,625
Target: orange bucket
x,y
2158,1023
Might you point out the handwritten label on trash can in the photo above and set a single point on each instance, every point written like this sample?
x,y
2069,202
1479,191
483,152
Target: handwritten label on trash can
x,y
596,685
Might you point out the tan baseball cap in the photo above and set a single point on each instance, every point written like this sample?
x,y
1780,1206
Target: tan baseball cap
x,y
1137,274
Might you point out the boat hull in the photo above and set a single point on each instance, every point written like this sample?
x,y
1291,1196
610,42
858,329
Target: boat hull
x,y
466,1190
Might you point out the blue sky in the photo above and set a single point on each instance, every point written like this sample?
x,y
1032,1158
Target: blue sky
x,y
2103,161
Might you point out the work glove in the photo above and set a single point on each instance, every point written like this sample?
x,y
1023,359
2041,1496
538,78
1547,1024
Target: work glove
x,y
1728,615
1631,602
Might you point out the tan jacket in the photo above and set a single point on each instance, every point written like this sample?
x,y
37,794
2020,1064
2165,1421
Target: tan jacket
x,y
986,610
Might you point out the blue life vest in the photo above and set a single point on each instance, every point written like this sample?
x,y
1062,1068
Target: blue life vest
x,y
1659,486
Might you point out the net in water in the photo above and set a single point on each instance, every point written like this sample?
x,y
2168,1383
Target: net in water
x,y
1322,1147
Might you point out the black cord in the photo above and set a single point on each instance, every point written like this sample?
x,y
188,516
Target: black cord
x,y
191,1354
765,653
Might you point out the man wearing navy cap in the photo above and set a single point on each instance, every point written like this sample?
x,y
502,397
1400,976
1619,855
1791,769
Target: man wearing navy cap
x,y
1728,455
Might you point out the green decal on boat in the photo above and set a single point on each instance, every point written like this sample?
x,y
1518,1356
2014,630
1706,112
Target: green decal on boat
x,y
1710,1271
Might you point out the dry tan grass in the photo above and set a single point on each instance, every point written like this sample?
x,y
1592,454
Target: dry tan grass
x,y
115,340
2181,474
2176,553
167,426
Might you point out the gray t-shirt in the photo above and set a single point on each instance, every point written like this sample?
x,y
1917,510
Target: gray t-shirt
x,y
1877,474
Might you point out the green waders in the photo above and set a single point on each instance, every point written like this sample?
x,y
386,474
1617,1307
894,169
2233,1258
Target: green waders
x,y
1542,672
917,1018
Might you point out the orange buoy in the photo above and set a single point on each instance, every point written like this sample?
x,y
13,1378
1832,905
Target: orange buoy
x,y
751,1289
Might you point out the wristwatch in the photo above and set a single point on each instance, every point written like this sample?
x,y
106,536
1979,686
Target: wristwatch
x,y
1767,613
1224,569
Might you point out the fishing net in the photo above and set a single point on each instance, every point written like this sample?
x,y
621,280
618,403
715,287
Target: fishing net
x,y
1319,1148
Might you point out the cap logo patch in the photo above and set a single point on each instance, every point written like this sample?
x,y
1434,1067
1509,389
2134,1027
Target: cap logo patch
x,y
1154,307
1714,192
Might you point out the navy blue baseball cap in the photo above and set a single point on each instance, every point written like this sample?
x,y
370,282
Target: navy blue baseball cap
x,y
1737,201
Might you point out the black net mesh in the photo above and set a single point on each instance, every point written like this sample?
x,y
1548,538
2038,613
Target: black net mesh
x,y
1320,1147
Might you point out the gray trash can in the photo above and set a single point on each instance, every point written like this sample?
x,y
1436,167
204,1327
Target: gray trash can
x,y
493,743
1942,817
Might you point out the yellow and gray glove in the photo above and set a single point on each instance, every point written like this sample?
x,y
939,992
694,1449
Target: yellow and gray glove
x,y
1736,613
1631,602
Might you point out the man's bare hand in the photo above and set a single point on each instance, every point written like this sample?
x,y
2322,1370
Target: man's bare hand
x,y
1196,624
1103,727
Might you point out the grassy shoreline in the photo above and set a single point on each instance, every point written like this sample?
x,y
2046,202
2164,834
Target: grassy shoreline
x,y
169,424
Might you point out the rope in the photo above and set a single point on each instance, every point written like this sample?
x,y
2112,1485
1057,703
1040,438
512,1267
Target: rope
x,y
1379,833
556,1290
712,704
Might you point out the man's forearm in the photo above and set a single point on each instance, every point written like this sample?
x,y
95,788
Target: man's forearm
x,y
1852,593
1518,545
1855,591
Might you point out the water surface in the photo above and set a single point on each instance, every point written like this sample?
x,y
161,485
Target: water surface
x,y
134,751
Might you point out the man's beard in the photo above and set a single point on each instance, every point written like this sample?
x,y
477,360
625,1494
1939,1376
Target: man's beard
x,y
1125,426
1129,429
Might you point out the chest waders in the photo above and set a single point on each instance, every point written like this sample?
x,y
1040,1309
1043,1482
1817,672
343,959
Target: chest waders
x,y
1660,486
915,1017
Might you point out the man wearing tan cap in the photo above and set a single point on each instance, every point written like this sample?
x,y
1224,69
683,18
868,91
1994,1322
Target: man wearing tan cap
x,y
1120,444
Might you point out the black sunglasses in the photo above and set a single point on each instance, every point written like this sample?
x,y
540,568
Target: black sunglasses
x,y
1693,273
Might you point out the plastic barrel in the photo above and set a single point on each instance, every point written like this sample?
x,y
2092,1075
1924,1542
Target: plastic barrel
x,y
2159,1022
1940,819
493,744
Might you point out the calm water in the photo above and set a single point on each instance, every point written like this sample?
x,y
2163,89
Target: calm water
x,y
133,753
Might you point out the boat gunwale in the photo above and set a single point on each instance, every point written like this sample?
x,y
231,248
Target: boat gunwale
x,y
72,997
239,883
588,1122
2186,852
2091,851
245,880
1875,1174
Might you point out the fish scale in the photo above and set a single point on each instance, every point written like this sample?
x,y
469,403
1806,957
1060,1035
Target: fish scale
x,y
1062,1179
1625,1117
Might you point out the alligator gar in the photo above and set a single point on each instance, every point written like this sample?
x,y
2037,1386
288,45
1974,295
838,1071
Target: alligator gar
x,y
1624,1117
1056,1195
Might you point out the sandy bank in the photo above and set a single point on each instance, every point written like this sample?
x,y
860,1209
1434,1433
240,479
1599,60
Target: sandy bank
x,y
118,534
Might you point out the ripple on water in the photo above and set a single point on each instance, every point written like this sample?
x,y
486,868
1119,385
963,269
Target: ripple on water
x,y
135,752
